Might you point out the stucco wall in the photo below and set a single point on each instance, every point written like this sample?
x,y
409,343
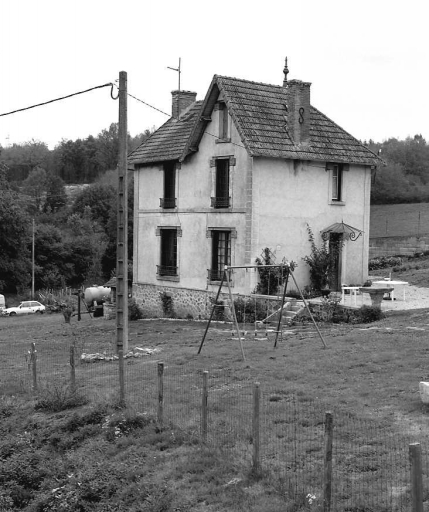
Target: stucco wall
x,y
193,215
288,195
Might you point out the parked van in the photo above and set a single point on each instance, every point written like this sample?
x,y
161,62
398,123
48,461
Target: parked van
x,y
2,302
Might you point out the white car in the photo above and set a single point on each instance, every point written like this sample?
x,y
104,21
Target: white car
x,y
25,308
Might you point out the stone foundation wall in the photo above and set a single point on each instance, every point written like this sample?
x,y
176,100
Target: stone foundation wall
x,y
164,301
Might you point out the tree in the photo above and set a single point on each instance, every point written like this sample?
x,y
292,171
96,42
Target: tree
x,y
34,186
100,199
21,159
15,264
56,197
108,147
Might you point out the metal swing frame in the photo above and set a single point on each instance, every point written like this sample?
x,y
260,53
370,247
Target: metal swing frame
x,y
226,278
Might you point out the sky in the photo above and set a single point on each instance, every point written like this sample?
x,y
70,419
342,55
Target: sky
x,y
367,60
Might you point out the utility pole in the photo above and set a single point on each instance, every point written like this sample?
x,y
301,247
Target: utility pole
x,y
122,228
32,265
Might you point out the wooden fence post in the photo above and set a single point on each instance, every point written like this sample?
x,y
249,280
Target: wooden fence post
x,y
72,369
256,426
33,363
204,407
121,377
160,393
415,454
327,480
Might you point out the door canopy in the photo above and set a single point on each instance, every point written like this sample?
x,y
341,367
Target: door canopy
x,y
348,232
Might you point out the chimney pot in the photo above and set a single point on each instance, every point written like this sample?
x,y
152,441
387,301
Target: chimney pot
x,y
181,100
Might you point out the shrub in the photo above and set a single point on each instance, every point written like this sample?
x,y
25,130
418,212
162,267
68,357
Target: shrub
x,y
59,396
384,262
321,262
134,310
219,310
366,315
167,304
271,279
248,310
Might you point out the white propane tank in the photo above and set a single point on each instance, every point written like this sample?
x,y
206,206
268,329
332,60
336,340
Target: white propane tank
x,y
96,294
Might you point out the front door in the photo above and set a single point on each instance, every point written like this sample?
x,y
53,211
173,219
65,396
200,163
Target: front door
x,y
335,246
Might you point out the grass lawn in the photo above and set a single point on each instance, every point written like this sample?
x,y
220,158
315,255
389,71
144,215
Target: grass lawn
x,y
368,376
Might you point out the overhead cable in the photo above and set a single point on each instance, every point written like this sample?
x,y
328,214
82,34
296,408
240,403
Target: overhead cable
x,y
59,99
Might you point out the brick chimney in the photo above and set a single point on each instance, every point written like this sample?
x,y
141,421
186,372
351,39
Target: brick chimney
x,y
298,103
181,101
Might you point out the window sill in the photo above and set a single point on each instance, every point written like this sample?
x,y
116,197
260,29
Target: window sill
x,y
223,141
175,279
337,203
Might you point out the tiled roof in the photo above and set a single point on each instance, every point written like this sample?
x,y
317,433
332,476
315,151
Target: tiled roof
x,y
169,141
258,111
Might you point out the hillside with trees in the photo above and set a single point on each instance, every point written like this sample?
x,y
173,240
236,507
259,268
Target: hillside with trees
x,y
405,177
74,237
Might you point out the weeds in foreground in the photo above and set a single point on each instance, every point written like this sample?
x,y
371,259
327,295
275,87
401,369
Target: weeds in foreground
x,y
57,396
102,459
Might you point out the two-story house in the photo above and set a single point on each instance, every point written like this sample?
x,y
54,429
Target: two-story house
x,y
249,167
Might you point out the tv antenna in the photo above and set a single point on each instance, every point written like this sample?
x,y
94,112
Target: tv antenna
x,y
178,71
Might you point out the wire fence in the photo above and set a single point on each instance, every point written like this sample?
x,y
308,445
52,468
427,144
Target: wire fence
x,y
357,465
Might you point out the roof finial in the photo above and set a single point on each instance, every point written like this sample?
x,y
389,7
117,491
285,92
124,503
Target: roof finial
x,y
285,71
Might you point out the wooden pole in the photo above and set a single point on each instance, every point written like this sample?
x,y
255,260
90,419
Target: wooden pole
x,y
72,369
204,407
415,455
256,426
79,298
234,316
327,483
122,227
32,265
212,312
33,361
161,393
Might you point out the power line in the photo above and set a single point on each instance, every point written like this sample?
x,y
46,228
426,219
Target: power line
x,y
144,102
59,99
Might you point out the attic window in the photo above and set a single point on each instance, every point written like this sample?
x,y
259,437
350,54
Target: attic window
x,y
223,123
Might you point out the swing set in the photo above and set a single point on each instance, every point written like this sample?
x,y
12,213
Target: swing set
x,y
286,271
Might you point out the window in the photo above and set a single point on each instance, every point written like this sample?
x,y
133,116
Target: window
x,y
223,122
169,199
168,262
336,181
337,178
221,199
221,254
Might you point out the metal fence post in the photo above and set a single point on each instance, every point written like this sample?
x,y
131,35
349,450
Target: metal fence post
x,y
415,455
160,393
256,426
204,407
327,477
